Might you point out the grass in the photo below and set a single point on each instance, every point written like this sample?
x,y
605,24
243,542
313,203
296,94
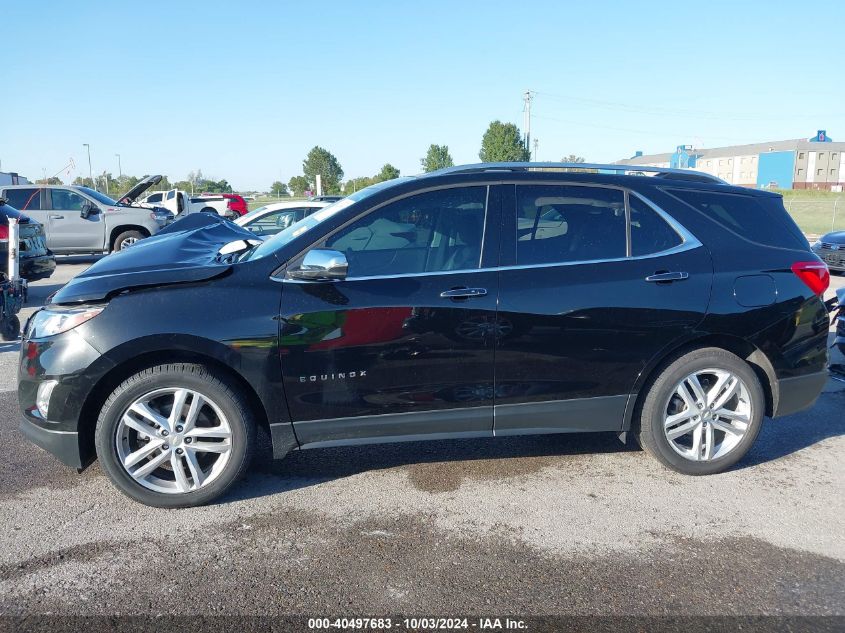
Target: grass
x,y
812,210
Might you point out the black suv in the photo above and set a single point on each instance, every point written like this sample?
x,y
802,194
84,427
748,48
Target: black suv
x,y
488,300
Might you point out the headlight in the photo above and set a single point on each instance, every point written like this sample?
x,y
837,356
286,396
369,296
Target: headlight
x,y
52,321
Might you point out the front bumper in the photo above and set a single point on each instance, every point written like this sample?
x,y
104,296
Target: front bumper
x,y
62,444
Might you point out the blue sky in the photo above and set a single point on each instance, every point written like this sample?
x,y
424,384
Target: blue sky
x,y
243,90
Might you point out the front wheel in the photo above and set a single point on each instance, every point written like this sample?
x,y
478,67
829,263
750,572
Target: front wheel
x,y
127,239
175,436
702,413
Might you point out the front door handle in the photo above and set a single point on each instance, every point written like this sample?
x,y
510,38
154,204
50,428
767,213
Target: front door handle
x,y
463,293
54,216
663,277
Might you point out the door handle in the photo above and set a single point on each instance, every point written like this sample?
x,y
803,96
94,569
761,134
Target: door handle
x,y
55,216
463,293
663,277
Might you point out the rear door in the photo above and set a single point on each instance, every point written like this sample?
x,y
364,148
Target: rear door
x,y
402,348
30,201
587,298
67,230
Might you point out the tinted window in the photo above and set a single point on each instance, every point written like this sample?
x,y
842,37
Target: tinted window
x,y
273,222
649,232
557,224
766,223
154,197
67,200
24,199
430,232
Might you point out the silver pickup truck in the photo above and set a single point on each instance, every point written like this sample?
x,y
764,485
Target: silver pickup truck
x,y
80,220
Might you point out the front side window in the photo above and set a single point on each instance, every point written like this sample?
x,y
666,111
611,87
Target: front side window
x,y
65,200
649,232
565,223
24,199
273,222
434,231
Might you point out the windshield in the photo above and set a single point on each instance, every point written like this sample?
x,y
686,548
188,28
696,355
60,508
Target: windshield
x,y
295,230
99,197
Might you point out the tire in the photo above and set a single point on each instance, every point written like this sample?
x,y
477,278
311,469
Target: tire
x,y
663,401
208,210
127,239
11,329
223,409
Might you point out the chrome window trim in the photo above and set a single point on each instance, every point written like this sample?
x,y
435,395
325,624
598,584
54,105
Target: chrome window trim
x,y
689,241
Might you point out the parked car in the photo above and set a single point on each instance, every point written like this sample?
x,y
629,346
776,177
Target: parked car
x,y
35,259
229,205
831,249
675,308
180,203
273,218
325,198
80,220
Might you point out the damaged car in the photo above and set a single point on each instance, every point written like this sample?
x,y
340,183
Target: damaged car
x,y
491,300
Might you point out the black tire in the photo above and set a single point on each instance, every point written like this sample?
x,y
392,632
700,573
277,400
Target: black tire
x,y
126,238
651,435
11,328
208,210
181,375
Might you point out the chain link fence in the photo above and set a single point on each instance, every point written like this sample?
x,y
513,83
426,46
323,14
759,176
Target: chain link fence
x,y
816,212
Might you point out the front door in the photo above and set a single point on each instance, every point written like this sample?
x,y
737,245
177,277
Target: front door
x,y
586,306
402,348
67,229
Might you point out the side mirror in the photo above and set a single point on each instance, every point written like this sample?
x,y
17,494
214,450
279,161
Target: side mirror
x,y
88,210
321,264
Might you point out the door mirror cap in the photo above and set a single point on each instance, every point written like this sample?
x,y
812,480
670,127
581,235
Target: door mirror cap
x,y
321,264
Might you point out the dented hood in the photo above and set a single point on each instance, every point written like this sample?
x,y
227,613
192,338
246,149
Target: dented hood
x,y
185,251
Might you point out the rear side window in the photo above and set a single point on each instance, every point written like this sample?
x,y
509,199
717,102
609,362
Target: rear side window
x,y
649,232
24,199
761,220
561,223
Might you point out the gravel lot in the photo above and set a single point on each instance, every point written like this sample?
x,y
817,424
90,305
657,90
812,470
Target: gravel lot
x,y
550,525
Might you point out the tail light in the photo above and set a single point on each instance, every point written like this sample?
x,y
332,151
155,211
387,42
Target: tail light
x,y
4,231
814,274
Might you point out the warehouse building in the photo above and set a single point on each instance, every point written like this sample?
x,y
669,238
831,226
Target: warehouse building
x,y
815,163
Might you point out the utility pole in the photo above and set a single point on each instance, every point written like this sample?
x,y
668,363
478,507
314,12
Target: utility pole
x,y
119,168
90,172
526,123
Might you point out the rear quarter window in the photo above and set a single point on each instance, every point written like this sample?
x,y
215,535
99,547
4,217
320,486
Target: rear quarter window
x,y
761,220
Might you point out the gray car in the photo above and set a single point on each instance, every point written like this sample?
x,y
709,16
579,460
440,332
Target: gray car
x,y
80,220
831,248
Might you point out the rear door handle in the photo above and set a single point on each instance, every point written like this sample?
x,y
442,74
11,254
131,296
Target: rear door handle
x,y
667,276
54,216
463,293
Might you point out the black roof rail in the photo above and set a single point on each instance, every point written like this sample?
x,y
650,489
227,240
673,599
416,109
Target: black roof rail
x,y
635,170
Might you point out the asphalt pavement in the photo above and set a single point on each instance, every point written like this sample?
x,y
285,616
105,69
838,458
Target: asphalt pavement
x,y
574,524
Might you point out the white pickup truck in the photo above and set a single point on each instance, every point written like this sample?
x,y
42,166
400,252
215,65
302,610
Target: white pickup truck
x,y
181,203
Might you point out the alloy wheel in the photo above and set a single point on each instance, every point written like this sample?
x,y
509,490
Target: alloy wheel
x,y
126,243
173,440
707,415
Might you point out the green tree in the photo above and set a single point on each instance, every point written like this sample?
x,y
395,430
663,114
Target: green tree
x,y
572,158
437,157
279,188
52,180
356,184
322,162
502,142
388,172
299,185
83,182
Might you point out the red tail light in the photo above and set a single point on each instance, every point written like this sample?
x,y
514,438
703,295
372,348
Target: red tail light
x,y
4,231
814,274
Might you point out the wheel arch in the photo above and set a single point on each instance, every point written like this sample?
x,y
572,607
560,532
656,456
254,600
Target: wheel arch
x,y
122,229
751,354
125,365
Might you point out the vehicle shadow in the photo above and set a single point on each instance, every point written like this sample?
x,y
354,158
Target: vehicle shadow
x,y
304,468
458,459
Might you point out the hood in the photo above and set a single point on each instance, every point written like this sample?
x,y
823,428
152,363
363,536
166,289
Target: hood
x,y
133,194
836,237
186,251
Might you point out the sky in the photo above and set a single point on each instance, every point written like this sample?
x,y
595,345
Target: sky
x,y
243,90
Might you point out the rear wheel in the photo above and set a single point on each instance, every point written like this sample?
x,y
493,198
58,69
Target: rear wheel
x,y
127,239
10,329
175,436
702,413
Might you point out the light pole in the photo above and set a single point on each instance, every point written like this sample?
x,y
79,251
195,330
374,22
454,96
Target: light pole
x,y
90,172
119,168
